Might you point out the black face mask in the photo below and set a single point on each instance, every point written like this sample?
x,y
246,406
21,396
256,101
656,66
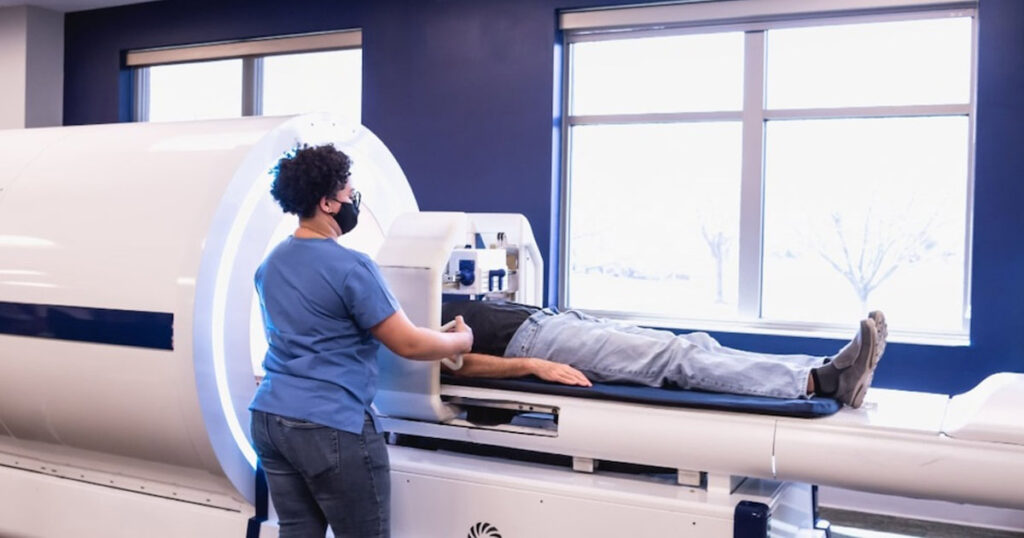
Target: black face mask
x,y
348,216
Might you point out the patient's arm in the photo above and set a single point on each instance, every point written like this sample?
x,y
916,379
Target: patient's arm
x,y
481,365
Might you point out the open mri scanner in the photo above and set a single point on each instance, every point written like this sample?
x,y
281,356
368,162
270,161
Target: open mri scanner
x,y
129,329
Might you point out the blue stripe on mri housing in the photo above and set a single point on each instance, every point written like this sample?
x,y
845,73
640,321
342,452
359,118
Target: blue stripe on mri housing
x,y
154,330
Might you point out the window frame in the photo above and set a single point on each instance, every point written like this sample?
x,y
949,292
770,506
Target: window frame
x,y
252,53
754,115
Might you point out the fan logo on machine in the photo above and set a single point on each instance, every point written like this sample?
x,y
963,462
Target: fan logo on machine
x,y
483,530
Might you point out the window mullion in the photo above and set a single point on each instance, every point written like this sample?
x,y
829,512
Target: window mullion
x,y
257,86
141,81
905,111
565,191
751,183
969,217
252,86
654,117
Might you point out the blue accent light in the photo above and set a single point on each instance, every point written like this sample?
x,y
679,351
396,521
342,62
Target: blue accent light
x,y
467,272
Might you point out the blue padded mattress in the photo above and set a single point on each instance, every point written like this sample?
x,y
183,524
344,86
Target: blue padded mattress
x,y
799,407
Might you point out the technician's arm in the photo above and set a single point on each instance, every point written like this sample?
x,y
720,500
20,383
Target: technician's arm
x,y
412,342
481,365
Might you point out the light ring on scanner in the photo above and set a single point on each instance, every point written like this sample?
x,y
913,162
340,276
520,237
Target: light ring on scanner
x,y
248,223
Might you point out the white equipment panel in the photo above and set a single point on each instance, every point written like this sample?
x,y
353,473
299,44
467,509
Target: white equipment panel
x,y
448,494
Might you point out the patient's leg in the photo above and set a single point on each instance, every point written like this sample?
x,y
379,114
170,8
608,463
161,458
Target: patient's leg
x,y
812,361
846,376
611,352
701,362
607,351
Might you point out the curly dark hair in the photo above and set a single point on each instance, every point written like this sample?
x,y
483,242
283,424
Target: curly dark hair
x,y
307,174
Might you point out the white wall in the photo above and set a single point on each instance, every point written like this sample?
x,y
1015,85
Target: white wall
x,y
31,67
13,59
44,100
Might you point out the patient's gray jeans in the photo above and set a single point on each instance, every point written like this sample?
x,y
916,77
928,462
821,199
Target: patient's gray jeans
x,y
610,352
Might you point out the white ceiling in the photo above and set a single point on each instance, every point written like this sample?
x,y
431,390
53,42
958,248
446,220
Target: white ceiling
x,y
70,5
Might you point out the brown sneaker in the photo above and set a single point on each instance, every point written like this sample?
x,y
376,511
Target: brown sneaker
x,y
848,376
883,334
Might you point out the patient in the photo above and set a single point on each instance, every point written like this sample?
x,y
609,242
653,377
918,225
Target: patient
x,y
513,340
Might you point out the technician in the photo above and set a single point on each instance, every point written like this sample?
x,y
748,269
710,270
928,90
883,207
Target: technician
x,y
326,310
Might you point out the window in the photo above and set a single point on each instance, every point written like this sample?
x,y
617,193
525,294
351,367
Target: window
x,y
769,173
195,91
318,81
279,76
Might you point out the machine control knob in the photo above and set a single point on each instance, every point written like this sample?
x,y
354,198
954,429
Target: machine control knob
x,y
467,272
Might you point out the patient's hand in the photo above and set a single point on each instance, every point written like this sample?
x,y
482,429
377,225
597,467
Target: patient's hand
x,y
458,325
558,373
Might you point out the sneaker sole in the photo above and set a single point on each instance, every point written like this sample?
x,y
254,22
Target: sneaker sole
x,y
860,388
882,330
858,395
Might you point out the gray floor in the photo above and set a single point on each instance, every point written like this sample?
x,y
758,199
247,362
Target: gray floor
x,y
859,525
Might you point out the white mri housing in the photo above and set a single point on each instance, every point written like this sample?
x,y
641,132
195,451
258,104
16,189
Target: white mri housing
x,y
168,218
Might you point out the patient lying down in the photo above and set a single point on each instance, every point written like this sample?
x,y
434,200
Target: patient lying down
x,y
513,340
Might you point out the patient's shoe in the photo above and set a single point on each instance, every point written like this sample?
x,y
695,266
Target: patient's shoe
x,y
848,376
883,333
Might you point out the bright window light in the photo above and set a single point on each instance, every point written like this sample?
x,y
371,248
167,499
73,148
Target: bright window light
x,y
314,82
654,221
846,141
923,62
195,91
866,214
647,75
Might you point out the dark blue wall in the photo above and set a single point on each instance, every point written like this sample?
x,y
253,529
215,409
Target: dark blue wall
x,y
463,93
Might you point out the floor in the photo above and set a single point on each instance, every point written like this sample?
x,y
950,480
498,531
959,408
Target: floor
x,y
847,524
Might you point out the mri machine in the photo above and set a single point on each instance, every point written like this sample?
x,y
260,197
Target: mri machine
x,y
129,331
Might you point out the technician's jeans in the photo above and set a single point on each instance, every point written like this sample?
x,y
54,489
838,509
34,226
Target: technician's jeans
x,y
319,475
611,352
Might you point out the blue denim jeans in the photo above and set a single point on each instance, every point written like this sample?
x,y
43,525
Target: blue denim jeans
x,y
610,352
318,475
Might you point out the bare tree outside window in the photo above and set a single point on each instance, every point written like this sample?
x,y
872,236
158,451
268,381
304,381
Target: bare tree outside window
x,y
865,214
867,251
719,244
717,228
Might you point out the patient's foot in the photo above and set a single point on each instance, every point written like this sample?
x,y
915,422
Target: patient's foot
x,y
848,376
883,332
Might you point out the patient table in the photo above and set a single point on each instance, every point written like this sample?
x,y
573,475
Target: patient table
x,y
969,448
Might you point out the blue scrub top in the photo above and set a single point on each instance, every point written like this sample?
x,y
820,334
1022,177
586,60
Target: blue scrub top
x,y
319,301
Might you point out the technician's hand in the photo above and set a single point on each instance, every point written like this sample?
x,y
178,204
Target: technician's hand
x,y
559,373
461,328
